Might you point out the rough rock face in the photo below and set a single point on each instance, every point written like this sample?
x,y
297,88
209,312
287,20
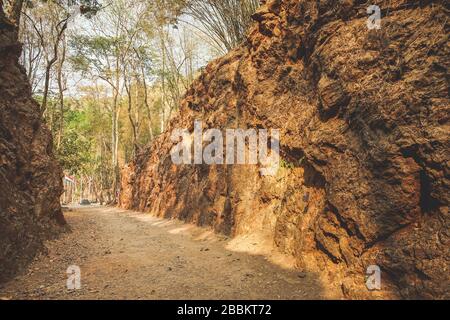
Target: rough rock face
x,y
30,178
364,120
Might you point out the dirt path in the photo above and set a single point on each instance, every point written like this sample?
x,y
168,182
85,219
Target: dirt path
x,y
126,255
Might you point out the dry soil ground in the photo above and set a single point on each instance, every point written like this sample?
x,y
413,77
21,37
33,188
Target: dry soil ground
x,y
128,255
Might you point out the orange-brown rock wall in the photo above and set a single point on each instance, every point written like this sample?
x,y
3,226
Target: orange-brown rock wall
x,y
364,120
30,177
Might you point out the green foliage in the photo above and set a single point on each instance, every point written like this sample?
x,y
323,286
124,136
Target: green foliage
x,y
300,162
286,164
291,165
74,153
93,52
85,128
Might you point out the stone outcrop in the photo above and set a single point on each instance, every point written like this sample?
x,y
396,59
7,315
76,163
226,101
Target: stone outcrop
x,y
30,178
364,120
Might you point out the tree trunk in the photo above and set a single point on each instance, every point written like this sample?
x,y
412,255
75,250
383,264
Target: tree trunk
x,y
61,94
163,82
130,117
50,64
147,105
115,136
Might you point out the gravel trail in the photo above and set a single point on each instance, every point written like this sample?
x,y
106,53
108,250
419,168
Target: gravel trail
x,y
129,255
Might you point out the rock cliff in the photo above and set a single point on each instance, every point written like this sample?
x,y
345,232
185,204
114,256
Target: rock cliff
x,y
30,178
364,120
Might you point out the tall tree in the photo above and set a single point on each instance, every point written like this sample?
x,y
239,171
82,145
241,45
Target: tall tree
x,y
50,23
225,22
